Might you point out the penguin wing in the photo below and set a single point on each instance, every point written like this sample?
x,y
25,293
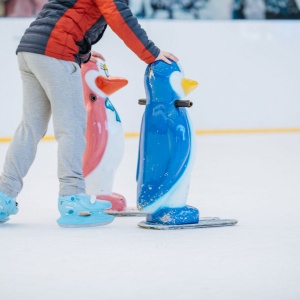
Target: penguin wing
x,y
96,139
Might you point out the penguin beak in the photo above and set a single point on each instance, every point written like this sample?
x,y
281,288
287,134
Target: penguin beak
x,y
110,85
188,85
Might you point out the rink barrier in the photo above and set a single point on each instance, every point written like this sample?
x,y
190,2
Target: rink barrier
x,y
198,132
252,83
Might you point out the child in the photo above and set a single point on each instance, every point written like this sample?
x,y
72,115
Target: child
x,y
50,54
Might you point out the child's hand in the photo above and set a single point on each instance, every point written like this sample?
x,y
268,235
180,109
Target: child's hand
x,y
165,56
96,55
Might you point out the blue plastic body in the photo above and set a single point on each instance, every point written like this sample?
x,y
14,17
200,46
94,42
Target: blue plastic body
x,y
166,145
174,216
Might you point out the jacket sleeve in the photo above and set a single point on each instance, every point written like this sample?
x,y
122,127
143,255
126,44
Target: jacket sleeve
x,y
121,20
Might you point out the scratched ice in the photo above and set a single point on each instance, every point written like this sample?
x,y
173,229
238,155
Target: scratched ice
x,y
253,178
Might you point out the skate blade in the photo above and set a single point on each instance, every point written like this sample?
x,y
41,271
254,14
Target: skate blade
x,y
84,221
128,212
203,223
83,225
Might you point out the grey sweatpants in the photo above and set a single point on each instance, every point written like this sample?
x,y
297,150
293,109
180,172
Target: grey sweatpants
x,y
49,86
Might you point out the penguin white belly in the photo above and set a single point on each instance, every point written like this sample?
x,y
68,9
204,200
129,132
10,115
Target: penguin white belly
x,y
177,195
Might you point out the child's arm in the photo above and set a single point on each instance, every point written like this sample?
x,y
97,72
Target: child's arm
x,y
165,56
121,20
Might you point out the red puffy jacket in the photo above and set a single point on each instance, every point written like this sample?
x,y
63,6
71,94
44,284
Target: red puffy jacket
x,y
67,29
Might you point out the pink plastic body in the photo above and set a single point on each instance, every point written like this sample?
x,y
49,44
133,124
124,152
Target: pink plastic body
x,y
104,134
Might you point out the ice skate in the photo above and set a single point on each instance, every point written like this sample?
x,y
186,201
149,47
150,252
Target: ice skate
x,y
8,206
82,211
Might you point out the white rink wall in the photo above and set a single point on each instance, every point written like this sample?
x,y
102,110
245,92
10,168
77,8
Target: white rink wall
x,y
248,72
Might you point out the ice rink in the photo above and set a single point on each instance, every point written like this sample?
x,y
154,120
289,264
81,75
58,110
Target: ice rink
x,y
253,178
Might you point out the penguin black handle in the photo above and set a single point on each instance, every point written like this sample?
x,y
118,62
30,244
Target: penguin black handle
x,y
177,103
142,102
183,103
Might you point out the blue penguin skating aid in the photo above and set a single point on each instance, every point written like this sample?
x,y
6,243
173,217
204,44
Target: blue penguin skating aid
x,y
167,152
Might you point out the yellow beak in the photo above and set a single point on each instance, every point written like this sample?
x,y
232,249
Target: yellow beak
x,y
188,85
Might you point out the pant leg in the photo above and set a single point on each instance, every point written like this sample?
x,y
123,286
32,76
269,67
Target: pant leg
x,y
22,149
62,83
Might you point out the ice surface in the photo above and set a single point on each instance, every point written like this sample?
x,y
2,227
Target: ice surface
x,y
253,178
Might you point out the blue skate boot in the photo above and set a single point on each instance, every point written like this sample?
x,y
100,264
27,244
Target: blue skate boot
x,y
79,211
174,216
8,206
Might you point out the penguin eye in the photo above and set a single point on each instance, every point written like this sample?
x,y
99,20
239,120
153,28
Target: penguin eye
x,y
175,81
93,97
